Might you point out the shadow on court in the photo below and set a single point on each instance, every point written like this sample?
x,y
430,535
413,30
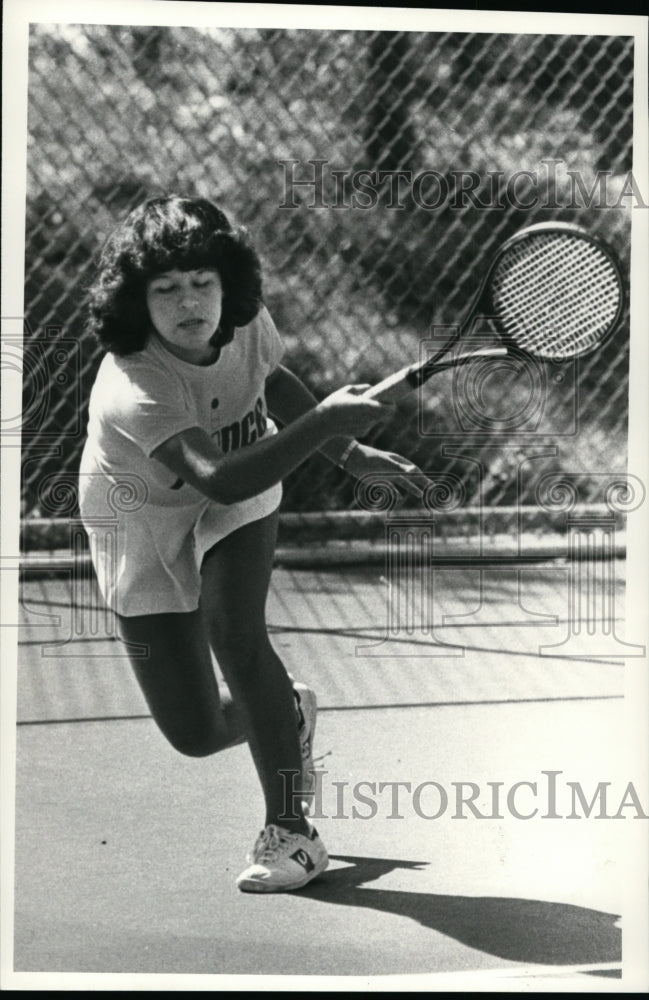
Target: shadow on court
x,y
517,930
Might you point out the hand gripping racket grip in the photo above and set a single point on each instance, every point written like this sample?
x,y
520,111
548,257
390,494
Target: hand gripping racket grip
x,y
398,385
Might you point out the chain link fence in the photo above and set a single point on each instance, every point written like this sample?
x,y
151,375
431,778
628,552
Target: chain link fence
x,y
377,172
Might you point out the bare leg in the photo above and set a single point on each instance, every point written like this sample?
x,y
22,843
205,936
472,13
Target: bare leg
x,y
236,576
179,684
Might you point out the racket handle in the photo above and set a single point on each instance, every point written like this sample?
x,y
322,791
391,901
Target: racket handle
x,y
398,385
395,386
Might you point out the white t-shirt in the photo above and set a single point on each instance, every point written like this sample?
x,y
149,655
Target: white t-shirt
x,y
148,530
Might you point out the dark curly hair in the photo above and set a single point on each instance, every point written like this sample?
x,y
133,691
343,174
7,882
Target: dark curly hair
x,y
166,234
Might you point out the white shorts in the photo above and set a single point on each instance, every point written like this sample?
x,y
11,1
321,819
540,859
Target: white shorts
x,y
147,560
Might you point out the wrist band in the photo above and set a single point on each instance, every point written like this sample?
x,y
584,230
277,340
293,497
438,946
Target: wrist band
x,y
342,460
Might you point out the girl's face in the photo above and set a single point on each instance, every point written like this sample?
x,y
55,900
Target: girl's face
x,y
185,309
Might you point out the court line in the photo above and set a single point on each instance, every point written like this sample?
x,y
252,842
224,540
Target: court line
x,y
334,630
354,708
85,718
364,632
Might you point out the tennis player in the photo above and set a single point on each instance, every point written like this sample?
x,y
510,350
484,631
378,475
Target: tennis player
x,y
182,407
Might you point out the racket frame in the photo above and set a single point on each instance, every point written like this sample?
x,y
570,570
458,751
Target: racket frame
x,y
482,304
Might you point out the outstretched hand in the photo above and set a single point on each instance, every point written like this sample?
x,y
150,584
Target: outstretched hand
x,y
365,460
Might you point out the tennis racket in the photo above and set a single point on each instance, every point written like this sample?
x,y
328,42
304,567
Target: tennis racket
x,y
553,291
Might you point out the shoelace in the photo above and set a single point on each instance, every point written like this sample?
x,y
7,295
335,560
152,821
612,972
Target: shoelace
x,y
269,843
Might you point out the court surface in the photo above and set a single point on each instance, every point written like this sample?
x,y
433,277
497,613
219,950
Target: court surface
x,y
126,852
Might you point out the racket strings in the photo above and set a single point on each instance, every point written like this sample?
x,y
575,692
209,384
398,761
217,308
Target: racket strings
x,y
556,295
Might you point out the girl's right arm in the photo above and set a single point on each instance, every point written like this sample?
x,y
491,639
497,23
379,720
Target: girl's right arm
x,y
193,456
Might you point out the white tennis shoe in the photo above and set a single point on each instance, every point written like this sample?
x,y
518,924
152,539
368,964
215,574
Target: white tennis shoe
x,y
282,861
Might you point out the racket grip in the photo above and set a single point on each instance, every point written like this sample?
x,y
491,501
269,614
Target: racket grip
x,y
398,385
395,386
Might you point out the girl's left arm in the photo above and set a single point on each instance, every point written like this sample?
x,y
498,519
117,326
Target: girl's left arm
x,y
287,398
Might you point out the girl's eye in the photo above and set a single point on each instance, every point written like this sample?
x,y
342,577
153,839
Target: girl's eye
x,y
203,282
